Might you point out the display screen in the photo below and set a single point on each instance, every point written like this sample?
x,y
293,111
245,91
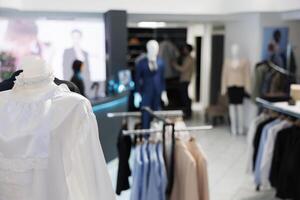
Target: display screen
x,y
59,42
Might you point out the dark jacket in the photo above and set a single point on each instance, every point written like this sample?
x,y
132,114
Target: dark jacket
x,y
9,83
79,83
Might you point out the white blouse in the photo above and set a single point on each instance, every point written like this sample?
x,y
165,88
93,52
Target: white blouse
x,y
49,145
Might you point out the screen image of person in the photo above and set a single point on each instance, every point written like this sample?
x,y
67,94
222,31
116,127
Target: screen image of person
x,y
60,43
75,53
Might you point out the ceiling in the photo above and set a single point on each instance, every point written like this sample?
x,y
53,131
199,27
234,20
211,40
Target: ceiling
x,y
172,7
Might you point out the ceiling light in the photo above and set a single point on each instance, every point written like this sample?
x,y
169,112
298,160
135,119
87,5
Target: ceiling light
x,y
152,24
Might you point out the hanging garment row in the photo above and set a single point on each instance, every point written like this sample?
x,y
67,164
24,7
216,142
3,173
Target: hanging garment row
x,y
273,156
155,174
271,82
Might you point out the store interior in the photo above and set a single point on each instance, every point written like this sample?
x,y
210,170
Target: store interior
x,y
211,86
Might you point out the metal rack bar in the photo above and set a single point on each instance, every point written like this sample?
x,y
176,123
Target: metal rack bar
x,y
171,113
149,131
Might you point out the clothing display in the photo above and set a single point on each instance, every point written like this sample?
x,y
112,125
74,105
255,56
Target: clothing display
x,y
9,83
149,173
270,83
238,76
236,83
275,149
49,144
150,84
185,177
153,167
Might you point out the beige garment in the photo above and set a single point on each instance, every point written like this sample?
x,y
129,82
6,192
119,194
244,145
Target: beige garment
x,y
202,174
185,186
186,69
236,76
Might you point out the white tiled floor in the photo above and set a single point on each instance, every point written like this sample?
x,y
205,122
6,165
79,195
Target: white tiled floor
x,y
226,166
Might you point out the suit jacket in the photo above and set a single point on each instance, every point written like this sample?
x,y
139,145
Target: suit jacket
x,y
202,174
150,82
185,186
9,83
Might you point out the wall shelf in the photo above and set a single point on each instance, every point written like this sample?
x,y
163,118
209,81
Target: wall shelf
x,y
280,107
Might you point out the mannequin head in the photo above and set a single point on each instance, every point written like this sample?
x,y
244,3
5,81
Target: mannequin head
x,y
152,50
34,66
235,50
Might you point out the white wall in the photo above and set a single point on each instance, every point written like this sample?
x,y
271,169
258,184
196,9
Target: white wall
x,y
245,31
204,31
193,31
156,6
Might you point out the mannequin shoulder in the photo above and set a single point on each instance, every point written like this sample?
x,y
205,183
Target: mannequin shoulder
x,y
72,99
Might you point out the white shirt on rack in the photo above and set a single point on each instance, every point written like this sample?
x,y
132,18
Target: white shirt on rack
x,y
49,145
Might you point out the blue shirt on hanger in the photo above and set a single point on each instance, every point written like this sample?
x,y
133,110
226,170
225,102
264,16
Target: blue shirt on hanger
x,y
136,189
263,139
145,171
162,172
154,177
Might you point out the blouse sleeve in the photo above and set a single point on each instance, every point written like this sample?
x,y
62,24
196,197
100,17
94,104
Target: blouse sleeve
x,y
88,177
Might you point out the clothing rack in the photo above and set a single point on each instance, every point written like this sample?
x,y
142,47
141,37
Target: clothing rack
x,y
287,110
160,116
272,106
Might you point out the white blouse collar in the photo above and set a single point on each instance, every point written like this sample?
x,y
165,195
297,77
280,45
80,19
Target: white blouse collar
x,y
22,83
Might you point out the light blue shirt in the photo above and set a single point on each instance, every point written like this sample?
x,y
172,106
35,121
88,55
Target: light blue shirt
x,y
158,178
263,139
162,172
145,172
137,174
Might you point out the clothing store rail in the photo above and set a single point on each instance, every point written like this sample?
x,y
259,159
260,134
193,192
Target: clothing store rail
x,y
272,106
149,131
171,113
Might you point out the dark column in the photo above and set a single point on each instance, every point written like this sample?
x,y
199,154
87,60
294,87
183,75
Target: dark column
x,y
116,41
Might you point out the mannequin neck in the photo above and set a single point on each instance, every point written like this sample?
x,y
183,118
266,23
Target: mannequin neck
x,y
152,57
33,84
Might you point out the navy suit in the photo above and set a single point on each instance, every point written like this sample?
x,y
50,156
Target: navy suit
x,y
150,84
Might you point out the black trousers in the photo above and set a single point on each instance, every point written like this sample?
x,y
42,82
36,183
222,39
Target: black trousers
x,y
186,102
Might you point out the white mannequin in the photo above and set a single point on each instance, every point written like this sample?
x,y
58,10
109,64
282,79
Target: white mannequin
x,y
36,77
235,50
152,54
34,66
236,111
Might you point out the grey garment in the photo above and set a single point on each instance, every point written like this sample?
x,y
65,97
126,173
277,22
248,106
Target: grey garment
x,y
260,73
169,53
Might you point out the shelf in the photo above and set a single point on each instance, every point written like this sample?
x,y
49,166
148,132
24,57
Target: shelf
x,y
281,107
